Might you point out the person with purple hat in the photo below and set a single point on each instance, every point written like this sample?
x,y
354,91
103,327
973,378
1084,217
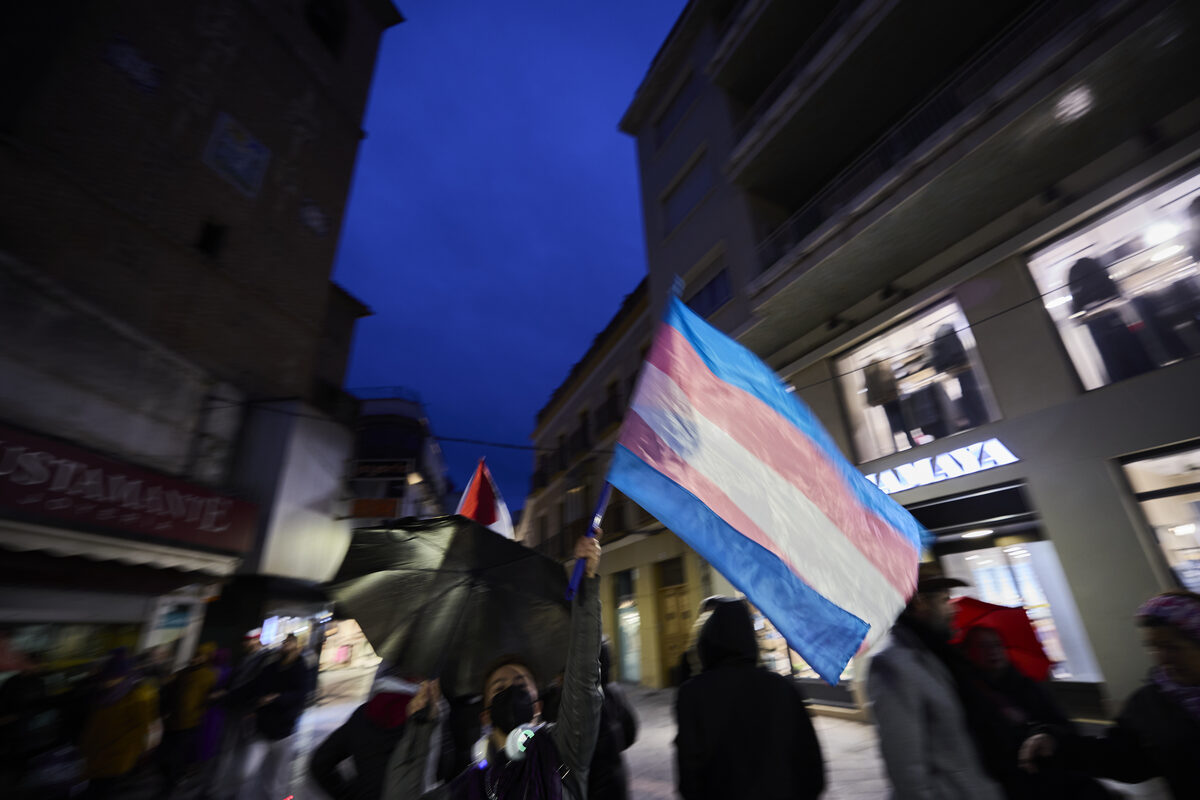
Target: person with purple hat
x,y
1157,730
118,725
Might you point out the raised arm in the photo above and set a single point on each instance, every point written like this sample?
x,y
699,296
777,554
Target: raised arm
x,y
579,711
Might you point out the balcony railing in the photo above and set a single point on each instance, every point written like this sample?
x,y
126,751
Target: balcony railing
x,y
999,59
824,32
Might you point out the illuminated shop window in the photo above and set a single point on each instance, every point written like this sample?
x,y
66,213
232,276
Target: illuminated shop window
x,y
1168,488
1125,291
916,383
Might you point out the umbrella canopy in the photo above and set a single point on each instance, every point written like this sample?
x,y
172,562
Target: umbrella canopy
x,y
1012,624
445,597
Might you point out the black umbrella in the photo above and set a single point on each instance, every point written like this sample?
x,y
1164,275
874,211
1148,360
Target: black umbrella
x,y
446,597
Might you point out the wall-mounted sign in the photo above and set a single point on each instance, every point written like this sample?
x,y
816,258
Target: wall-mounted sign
x,y
42,480
237,156
944,466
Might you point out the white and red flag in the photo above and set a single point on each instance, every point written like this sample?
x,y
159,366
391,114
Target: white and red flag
x,y
481,501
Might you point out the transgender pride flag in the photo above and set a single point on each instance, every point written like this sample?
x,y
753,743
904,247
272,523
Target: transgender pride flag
x,y
717,449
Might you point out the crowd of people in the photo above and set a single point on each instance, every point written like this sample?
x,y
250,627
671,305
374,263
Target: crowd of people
x,y
131,722
954,720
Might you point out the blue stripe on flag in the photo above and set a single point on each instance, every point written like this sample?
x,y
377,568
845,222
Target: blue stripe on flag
x,y
824,634
734,364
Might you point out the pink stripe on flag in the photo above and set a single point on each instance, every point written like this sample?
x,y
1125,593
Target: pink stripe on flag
x,y
643,442
785,449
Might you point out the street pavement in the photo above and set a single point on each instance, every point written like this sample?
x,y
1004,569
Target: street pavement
x,y
854,770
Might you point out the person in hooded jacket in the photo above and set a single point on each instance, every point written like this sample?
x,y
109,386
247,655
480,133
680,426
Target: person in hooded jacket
x,y
114,737
608,779
368,738
744,732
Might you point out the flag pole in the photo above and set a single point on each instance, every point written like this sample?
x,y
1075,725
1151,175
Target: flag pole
x,y
581,563
602,503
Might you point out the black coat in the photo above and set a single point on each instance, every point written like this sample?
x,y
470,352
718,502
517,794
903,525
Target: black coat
x,y
366,738
277,720
607,779
744,732
1153,737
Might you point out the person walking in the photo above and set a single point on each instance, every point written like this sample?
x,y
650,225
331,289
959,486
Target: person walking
x,y
118,723
280,691
544,761
607,778
238,702
1156,732
367,739
183,716
916,686
744,732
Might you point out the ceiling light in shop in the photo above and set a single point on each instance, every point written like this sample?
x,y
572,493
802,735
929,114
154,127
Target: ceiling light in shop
x,y
1074,104
1161,232
977,534
972,558
1166,252
1059,301
1184,530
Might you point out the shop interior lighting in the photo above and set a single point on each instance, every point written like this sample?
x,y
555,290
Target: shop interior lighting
x,y
1184,530
1161,232
977,534
414,478
972,558
1166,252
1074,104
1059,301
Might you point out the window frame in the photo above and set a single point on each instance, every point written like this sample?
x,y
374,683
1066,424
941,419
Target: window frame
x,y
843,390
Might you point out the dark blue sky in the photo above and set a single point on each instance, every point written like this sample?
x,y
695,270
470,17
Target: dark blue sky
x,y
494,223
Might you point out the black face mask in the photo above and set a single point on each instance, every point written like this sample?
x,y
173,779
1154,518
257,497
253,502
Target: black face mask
x,y
511,706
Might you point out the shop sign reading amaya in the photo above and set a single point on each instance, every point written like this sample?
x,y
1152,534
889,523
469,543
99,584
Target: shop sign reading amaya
x,y
42,480
944,466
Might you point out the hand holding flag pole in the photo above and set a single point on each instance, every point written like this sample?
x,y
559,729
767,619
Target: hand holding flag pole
x,y
581,563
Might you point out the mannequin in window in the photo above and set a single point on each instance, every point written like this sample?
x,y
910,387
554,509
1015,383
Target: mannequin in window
x,y
883,391
1097,302
950,358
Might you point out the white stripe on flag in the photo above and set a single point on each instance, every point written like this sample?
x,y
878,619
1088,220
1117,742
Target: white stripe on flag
x,y
801,532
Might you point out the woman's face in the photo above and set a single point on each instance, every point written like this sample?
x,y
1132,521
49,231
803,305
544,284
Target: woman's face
x,y
1176,654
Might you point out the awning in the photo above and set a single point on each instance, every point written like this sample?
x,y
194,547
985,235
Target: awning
x,y
25,537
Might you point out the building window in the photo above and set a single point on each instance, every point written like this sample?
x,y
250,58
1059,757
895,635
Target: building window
x,y
1168,488
576,506
543,529
1125,291
670,572
675,110
328,21
211,239
919,382
687,193
712,295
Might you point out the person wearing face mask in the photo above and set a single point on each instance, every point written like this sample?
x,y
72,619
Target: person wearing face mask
x,y
520,757
1157,730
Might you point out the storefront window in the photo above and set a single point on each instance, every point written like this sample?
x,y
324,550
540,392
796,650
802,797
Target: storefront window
x,y
919,382
1029,574
1168,488
1125,292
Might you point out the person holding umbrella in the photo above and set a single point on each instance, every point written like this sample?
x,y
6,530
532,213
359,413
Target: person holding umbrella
x,y
519,757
